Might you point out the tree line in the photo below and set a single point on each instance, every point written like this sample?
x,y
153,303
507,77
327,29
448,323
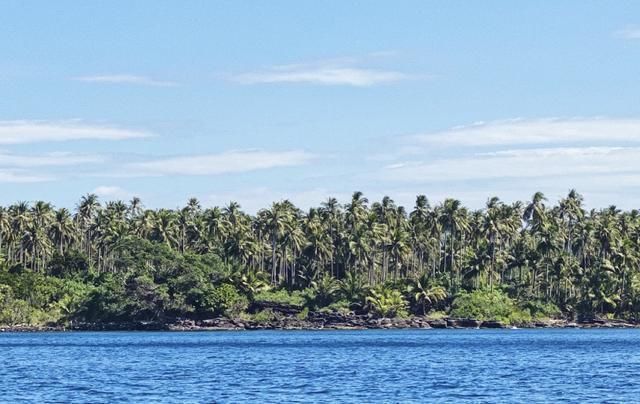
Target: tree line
x,y
580,260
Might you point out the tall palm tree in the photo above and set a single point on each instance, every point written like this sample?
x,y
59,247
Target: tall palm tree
x,y
453,217
63,231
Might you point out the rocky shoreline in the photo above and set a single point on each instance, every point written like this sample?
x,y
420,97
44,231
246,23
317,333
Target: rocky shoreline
x,y
323,321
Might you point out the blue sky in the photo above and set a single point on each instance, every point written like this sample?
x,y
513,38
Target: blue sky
x,y
260,101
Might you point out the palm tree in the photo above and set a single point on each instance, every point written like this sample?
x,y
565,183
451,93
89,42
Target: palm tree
x,y
165,228
5,225
332,216
386,302
20,220
353,287
62,229
453,218
87,209
423,294
276,221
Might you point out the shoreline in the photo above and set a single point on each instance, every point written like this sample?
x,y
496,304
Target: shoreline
x,y
318,322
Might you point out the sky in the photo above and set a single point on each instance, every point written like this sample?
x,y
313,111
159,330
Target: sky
x,y
257,102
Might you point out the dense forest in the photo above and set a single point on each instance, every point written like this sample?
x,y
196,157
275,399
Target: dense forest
x,y
120,262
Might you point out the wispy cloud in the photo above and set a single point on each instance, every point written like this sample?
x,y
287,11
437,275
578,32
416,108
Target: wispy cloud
x,y
347,71
351,76
21,176
16,132
48,159
523,163
126,79
216,164
535,132
513,158
629,32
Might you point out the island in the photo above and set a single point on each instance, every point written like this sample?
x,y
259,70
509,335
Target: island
x,y
119,266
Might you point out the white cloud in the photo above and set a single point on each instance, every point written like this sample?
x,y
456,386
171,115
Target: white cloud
x,y
16,132
126,79
514,158
629,32
113,192
20,176
223,163
522,163
338,71
48,160
535,132
351,76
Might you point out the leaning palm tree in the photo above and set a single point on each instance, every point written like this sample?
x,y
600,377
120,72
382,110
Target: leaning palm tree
x,y
421,292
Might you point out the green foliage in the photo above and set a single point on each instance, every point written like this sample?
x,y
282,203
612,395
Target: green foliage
x,y
341,306
385,302
264,316
70,264
303,314
353,288
422,296
322,292
281,296
248,282
542,310
119,262
437,315
107,302
224,300
488,305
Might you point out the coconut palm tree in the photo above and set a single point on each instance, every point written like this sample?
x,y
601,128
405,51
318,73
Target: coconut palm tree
x,y
453,217
423,294
62,230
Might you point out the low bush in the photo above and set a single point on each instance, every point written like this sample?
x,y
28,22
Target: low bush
x,y
488,305
226,300
541,310
385,302
264,316
282,296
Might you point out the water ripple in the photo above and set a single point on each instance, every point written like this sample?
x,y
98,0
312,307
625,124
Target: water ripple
x,y
330,366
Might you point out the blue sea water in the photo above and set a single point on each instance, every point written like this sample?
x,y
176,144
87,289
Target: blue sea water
x,y
395,366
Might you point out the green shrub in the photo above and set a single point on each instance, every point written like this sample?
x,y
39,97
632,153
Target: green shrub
x,y
437,315
488,305
15,311
303,314
264,316
72,263
542,310
341,306
384,302
282,296
226,300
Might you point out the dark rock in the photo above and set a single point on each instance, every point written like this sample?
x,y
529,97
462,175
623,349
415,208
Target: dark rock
x,y
492,324
462,323
283,308
440,323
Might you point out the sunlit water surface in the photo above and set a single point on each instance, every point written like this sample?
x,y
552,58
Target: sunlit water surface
x,y
322,366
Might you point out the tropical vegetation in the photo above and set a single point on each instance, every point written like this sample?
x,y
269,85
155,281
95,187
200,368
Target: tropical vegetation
x,y
118,261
